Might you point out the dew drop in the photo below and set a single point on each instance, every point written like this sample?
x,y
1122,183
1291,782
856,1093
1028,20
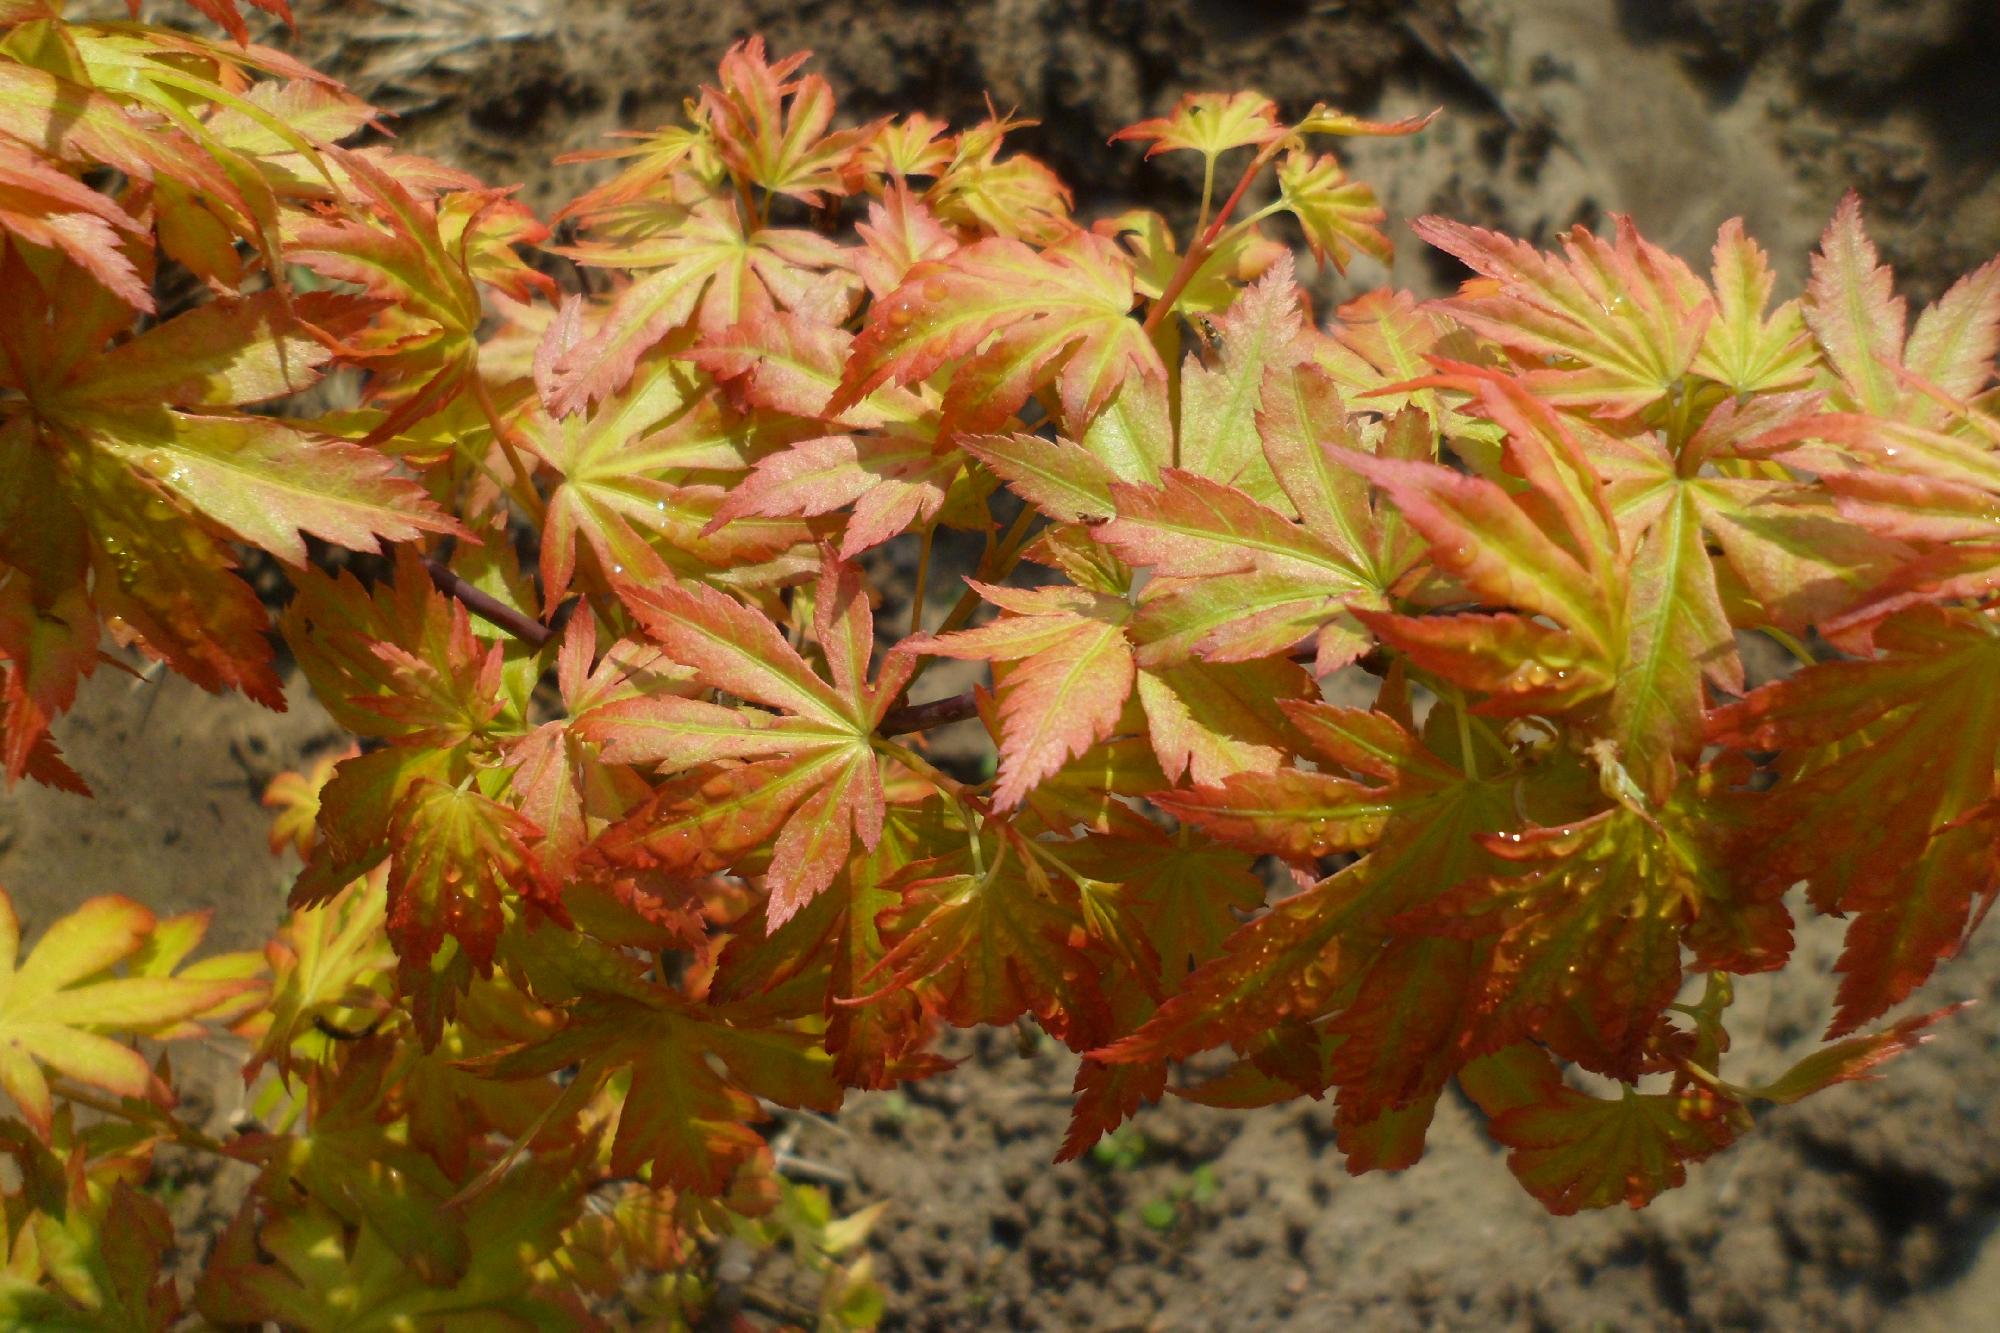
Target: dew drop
x,y
618,569
935,290
899,317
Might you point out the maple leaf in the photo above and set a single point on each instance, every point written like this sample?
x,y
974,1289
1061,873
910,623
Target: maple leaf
x,y
1912,461
140,466
295,797
1240,255
1059,477
330,962
709,268
695,1078
1852,1060
986,934
559,781
1624,320
1235,580
901,232
1908,487
1377,351
1211,719
1652,620
1012,319
1744,349
824,952
826,780
1106,1097
1587,931
1304,815
40,205
1208,123
913,144
773,133
457,853
398,661
420,257
1554,556
58,1011
1291,963
310,1268
1886,803
1262,336
1674,629
1265,439
1338,214
886,463
624,492
1859,324
1073,675
1574,1151
103,1257
1016,197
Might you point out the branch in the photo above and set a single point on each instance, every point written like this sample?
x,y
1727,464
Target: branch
x,y
922,717
489,608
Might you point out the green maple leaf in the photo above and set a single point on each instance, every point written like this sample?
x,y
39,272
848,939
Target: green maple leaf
x,y
1587,931
1237,580
1859,324
60,1009
327,962
1292,963
103,1258
634,484
140,467
310,1268
1208,123
822,955
1743,348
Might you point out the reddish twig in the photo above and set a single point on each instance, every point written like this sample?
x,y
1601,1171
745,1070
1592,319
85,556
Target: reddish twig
x,y
922,717
489,608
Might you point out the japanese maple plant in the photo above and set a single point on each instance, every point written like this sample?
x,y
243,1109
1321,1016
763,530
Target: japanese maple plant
x,y
646,839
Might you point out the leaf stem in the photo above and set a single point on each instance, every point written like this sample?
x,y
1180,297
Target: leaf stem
x,y
923,577
1207,191
524,483
1204,244
931,773
184,1134
1467,759
998,563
